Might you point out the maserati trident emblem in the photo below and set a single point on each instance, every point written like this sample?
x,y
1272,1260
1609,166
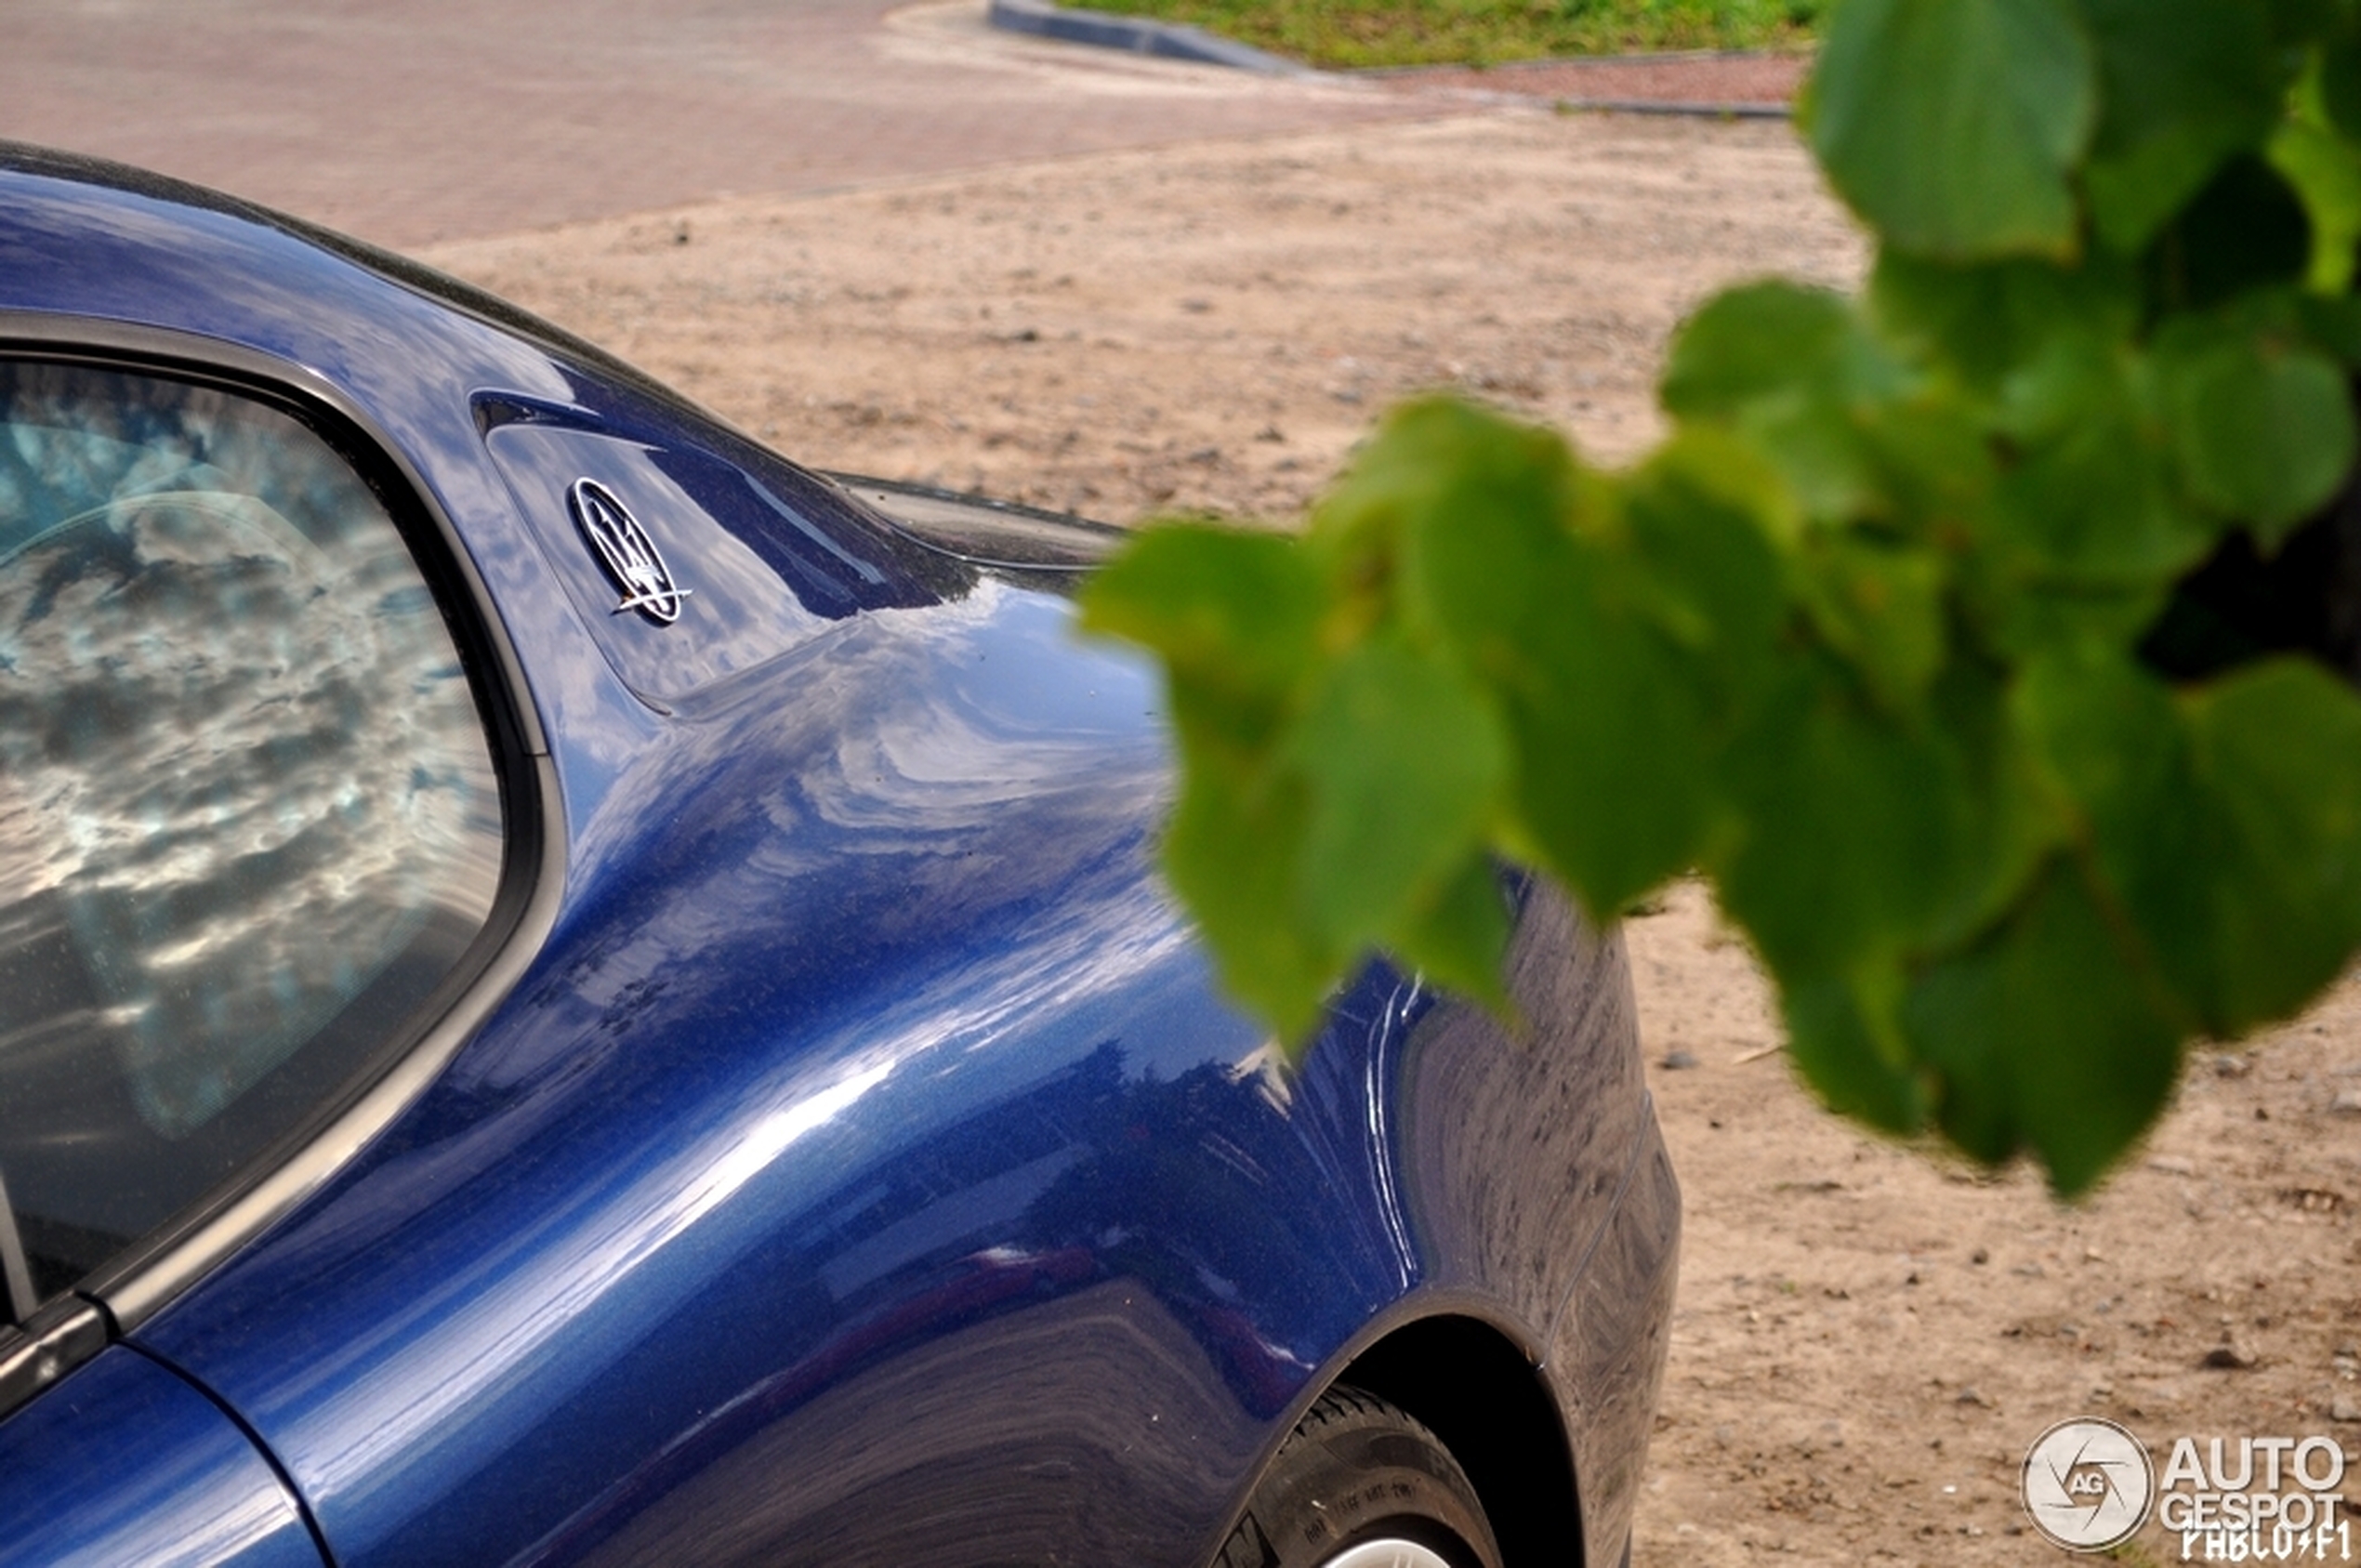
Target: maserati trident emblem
x,y
628,553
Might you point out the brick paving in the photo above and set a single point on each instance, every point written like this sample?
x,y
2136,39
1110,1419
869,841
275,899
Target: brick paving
x,y
423,120
419,121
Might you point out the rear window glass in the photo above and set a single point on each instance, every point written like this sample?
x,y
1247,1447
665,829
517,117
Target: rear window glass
x,y
248,812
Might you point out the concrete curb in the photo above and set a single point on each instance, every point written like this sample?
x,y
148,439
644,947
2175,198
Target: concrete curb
x,y
1043,19
1167,40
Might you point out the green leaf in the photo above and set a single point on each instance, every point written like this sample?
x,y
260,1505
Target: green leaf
x,y
1799,372
2341,85
1989,319
2114,740
1612,734
2277,747
1231,853
2043,1035
2225,825
2266,431
1606,719
1400,761
2028,617
2296,23
1433,463
1882,608
2245,230
1857,834
1952,126
1704,518
2184,84
1932,458
1851,1053
2012,819
1760,343
1235,616
1456,936
2333,325
2091,499
2326,175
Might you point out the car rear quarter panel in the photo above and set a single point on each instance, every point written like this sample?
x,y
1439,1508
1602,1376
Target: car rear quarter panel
x,y
870,1130
869,1162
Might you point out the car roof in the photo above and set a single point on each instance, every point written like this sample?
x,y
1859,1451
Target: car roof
x,y
46,186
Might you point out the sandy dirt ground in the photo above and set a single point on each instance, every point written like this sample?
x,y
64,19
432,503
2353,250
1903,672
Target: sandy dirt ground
x,y
1867,1340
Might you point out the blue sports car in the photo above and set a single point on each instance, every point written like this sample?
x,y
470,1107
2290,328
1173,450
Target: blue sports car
x,y
574,993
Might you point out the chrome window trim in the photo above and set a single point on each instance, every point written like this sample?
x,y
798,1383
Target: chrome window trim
x,y
16,1274
138,1283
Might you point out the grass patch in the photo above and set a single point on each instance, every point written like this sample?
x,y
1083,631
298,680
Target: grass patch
x,y
1366,32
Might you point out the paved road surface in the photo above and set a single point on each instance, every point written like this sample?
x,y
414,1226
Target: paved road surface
x,y
411,121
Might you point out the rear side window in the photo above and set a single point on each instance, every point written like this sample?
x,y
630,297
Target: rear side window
x,y
248,812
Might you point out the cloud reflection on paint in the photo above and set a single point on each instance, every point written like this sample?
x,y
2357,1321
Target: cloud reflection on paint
x,y
902,805
471,1358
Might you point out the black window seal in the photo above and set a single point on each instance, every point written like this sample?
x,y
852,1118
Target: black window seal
x,y
138,1282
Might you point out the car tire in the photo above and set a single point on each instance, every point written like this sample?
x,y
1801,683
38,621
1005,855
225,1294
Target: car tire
x,y
1361,1484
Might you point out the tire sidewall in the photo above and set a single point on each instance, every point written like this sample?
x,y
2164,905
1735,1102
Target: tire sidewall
x,y
1369,1472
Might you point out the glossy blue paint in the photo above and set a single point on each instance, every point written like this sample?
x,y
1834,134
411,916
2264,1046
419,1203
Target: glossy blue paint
x,y
887,1054
126,1463
866,1167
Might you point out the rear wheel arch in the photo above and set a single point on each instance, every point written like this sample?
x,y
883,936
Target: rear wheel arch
x,y
1473,1386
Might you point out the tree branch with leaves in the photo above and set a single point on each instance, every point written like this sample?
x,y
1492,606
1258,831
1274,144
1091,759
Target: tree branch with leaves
x,y
1895,637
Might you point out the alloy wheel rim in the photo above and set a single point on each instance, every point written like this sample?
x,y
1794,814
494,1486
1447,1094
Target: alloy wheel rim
x,y
1390,1552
